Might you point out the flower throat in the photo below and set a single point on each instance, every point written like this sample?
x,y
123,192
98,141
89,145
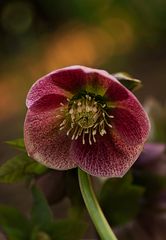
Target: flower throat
x,y
86,115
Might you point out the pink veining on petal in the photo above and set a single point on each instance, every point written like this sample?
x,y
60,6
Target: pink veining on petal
x,y
116,91
76,78
134,125
71,80
110,156
67,81
48,102
43,87
127,126
45,142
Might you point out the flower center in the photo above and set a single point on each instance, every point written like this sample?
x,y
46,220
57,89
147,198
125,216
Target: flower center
x,y
86,115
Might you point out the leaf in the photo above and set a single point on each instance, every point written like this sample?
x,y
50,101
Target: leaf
x,y
20,168
129,82
68,229
39,235
45,226
120,199
17,143
41,212
14,224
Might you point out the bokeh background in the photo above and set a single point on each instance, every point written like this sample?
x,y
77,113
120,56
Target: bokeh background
x,y
39,36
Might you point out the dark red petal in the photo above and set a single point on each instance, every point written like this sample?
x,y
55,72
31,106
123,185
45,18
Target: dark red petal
x,y
130,121
43,87
116,91
110,156
48,102
70,80
77,78
127,126
45,142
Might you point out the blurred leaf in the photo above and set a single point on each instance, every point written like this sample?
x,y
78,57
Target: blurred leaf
x,y
39,235
74,193
17,143
20,168
129,82
68,230
41,212
120,199
14,224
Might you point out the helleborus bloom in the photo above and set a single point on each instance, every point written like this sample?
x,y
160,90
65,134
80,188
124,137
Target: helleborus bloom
x,y
83,117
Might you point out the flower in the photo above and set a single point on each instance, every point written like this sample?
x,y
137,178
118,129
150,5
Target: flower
x,y
79,116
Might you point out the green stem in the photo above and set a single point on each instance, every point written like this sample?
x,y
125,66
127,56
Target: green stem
x,y
93,207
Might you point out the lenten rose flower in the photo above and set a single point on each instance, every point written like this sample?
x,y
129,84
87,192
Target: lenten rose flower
x,y
83,117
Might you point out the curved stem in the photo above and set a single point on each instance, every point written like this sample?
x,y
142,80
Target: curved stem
x,y
93,207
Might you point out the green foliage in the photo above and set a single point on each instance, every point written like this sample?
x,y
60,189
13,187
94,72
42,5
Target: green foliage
x,y
68,229
129,82
41,212
40,235
17,143
14,224
20,168
120,199
42,218
41,225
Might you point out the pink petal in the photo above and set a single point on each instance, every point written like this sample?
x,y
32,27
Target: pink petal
x,y
130,121
116,91
45,142
76,78
48,102
70,80
127,126
110,156
43,87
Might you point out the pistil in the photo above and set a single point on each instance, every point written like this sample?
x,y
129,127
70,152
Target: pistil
x,y
86,116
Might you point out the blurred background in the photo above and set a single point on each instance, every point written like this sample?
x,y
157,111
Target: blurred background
x,y
39,36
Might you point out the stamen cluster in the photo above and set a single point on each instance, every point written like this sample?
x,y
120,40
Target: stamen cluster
x,y
86,116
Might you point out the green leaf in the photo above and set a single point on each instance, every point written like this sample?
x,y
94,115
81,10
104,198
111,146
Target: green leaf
x,y
17,143
120,199
20,168
39,235
68,230
14,224
129,82
41,212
